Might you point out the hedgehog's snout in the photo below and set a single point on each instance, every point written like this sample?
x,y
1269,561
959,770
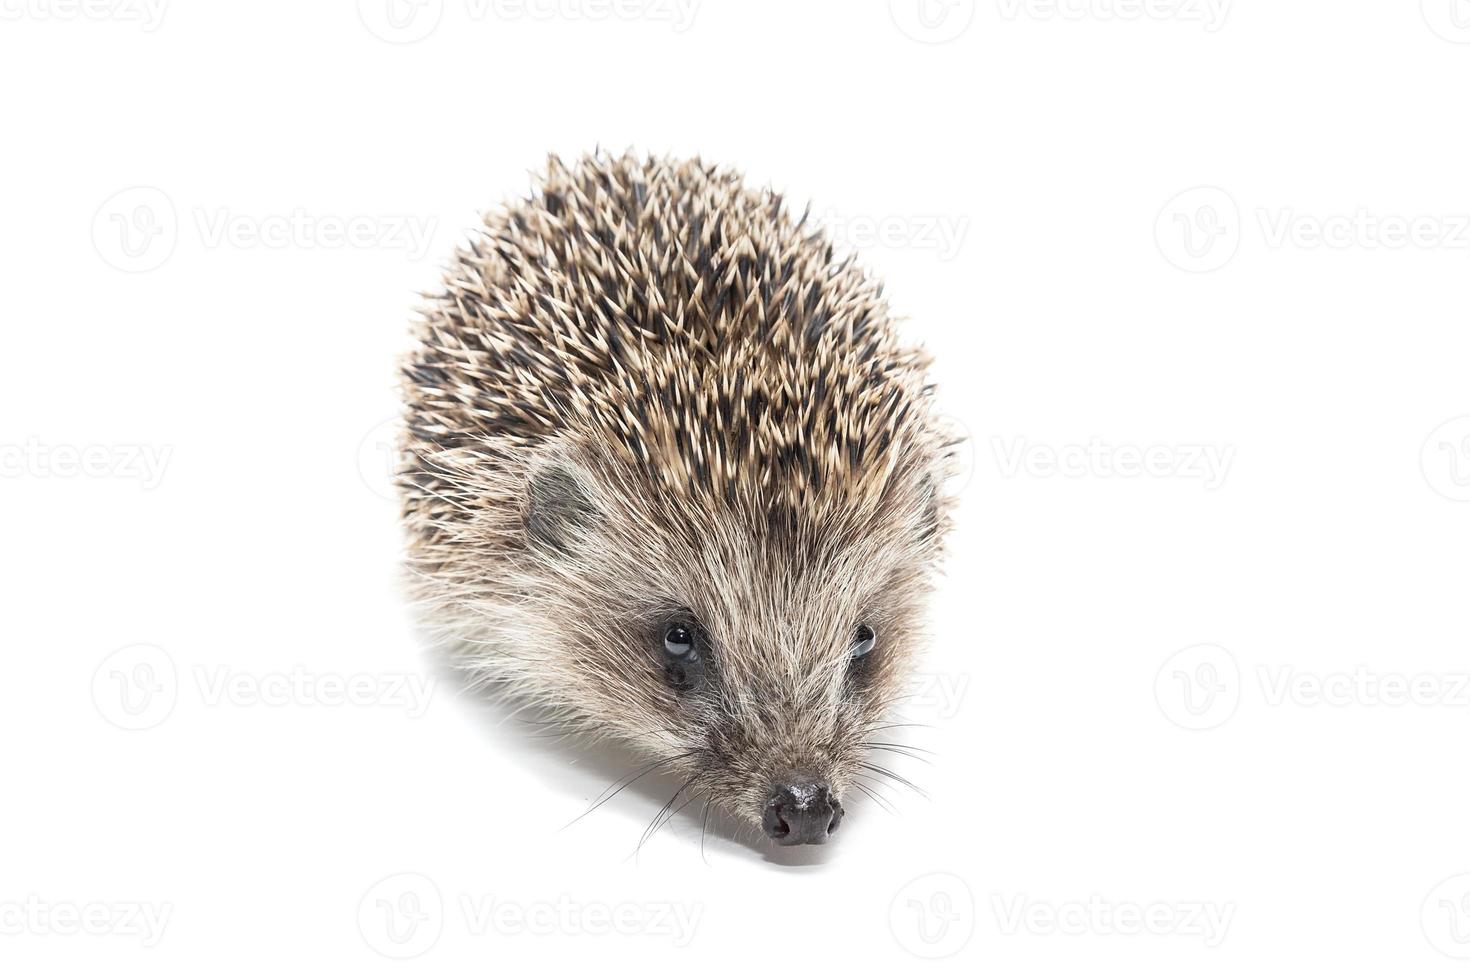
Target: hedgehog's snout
x,y
801,811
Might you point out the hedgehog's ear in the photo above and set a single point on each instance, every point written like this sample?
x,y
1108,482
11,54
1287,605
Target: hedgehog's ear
x,y
559,504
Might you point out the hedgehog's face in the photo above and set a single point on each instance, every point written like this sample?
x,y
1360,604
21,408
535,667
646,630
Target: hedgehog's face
x,y
754,654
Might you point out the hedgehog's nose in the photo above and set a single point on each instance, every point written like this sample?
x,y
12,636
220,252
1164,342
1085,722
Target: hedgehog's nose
x,y
802,812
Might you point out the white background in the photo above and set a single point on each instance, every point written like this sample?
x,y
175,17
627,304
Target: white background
x,y
1171,694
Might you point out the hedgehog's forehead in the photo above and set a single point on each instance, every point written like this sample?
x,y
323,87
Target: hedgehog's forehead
x,y
768,567
771,532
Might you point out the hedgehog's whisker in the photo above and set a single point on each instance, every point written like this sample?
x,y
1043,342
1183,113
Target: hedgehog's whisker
x,y
912,751
664,815
890,774
623,783
561,730
873,795
704,827
901,724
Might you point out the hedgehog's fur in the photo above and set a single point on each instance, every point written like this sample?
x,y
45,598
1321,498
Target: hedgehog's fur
x,y
647,389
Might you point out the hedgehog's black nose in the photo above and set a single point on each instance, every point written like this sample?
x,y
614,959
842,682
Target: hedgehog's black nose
x,y
802,812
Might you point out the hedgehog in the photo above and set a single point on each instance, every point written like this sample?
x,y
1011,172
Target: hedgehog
x,y
669,475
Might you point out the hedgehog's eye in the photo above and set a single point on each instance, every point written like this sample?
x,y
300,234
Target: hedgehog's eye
x,y
683,662
679,642
863,642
